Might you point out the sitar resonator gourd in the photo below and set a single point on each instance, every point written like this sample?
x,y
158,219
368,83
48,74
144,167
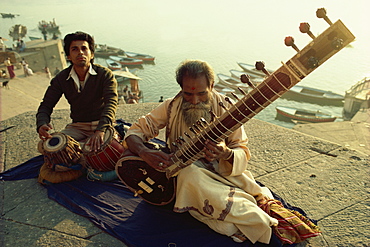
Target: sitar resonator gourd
x,y
158,187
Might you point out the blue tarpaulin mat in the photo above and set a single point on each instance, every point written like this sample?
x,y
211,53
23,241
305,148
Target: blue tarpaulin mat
x,y
112,207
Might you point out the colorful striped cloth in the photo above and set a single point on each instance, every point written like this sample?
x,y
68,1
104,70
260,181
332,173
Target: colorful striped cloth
x,y
293,227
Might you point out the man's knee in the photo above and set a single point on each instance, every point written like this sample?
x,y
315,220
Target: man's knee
x,y
190,175
77,135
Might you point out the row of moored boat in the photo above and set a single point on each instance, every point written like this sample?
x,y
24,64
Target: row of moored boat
x,y
232,84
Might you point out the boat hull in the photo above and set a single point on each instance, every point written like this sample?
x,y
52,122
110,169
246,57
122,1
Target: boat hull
x,y
143,57
105,51
3,15
105,54
315,96
222,89
113,65
126,60
301,115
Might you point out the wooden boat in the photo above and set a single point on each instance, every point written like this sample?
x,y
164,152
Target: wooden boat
x,y
113,65
8,15
251,70
222,89
34,38
303,115
50,27
313,95
144,57
105,51
231,82
126,60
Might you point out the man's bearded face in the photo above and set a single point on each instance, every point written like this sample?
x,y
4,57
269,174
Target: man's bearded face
x,y
192,113
197,96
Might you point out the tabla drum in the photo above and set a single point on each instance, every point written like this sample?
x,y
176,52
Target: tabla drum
x,y
106,158
60,151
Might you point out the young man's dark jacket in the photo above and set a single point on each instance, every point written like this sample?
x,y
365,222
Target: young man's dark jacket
x,y
97,101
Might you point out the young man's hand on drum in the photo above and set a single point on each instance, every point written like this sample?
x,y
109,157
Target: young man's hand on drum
x,y
96,141
43,131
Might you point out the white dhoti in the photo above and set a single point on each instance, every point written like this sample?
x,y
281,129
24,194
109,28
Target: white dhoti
x,y
226,205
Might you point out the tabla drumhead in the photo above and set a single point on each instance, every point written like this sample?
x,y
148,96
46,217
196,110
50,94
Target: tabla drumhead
x,y
56,143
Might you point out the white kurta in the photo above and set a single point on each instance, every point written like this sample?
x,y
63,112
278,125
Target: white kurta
x,y
220,194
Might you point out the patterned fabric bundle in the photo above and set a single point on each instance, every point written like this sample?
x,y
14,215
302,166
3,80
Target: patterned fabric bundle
x,y
48,175
63,159
293,227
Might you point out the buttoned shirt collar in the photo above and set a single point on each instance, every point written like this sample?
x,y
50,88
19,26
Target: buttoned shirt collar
x,y
74,76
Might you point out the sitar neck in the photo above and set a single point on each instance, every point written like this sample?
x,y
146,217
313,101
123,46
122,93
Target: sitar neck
x,y
320,49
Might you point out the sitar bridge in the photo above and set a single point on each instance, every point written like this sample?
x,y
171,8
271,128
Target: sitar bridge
x,y
145,187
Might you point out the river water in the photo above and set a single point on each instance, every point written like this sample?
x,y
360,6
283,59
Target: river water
x,y
219,32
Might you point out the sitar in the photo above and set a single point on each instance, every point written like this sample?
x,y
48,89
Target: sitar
x,y
158,187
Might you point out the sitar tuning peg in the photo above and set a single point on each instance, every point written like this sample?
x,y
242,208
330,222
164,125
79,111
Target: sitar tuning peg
x,y
196,127
222,105
261,66
304,27
337,43
228,100
212,114
178,141
235,96
242,91
200,122
181,139
192,130
313,62
289,41
246,79
321,13
187,135
203,122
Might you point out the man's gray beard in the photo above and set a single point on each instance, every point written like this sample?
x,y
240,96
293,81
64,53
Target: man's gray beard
x,y
192,113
